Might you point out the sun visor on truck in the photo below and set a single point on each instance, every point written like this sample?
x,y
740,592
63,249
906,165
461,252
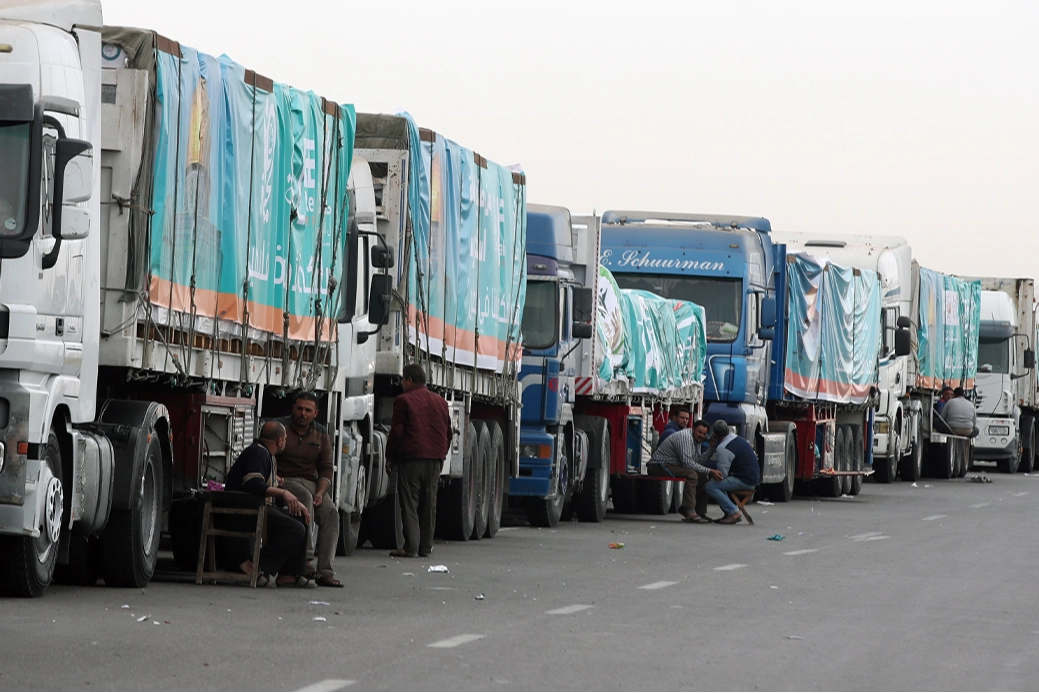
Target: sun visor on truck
x,y
16,102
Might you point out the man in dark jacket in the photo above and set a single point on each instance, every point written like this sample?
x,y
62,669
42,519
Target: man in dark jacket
x,y
679,419
419,440
285,549
739,463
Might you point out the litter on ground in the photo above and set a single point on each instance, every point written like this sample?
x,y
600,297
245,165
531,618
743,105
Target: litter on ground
x,y
776,537
438,569
616,545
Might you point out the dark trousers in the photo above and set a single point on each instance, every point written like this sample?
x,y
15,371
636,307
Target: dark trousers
x,y
284,552
417,482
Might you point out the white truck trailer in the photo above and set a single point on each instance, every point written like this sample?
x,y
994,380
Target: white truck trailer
x,y
458,223
1006,396
929,327
178,254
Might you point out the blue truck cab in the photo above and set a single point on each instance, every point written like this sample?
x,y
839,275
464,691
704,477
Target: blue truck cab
x,y
730,266
556,315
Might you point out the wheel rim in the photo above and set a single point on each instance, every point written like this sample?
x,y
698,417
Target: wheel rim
x,y
51,528
563,483
149,507
361,492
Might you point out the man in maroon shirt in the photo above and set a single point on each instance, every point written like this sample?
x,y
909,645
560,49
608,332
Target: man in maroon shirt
x,y
418,443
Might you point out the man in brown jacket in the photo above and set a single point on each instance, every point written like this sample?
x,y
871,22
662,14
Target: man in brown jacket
x,y
419,440
306,467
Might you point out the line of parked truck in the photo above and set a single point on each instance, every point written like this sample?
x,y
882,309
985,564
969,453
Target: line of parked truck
x,y
185,243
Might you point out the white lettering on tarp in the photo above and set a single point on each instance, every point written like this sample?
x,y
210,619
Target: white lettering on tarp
x,y
270,143
260,263
638,259
300,192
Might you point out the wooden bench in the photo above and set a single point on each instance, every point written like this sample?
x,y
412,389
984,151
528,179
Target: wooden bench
x,y
741,498
229,503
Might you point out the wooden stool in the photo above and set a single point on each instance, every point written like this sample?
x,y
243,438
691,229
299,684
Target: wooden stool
x,y
741,498
233,504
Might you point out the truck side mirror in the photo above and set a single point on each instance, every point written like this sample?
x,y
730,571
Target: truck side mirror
x,y
379,299
74,168
1029,359
767,333
903,322
903,341
382,256
583,303
768,314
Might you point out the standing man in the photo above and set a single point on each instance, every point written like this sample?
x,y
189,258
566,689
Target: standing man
x,y
419,440
959,413
284,551
306,466
681,455
678,421
738,462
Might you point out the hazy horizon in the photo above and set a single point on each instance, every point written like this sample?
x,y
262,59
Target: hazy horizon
x,y
919,120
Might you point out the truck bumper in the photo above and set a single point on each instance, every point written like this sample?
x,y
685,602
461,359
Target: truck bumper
x,y
997,440
537,471
882,437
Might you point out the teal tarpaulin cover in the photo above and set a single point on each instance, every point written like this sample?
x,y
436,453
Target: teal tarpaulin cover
x,y
833,330
948,329
653,343
467,271
250,198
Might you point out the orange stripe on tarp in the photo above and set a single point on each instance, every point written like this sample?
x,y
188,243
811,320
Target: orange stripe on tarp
x,y
213,304
459,338
816,386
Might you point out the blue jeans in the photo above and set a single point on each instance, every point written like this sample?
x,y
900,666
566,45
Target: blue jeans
x,y
719,491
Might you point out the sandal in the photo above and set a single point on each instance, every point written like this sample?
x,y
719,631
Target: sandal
x,y
263,580
696,519
401,553
328,581
730,519
295,581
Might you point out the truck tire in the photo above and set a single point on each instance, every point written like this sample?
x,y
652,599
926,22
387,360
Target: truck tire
x,y
590,504
943,461
378,524
497,483
784,490
1028,450
350,522
544,512
849,462
654,497
622,489
27,563
460,505
911,465
483,498
830,486
130,540
858,458
886,468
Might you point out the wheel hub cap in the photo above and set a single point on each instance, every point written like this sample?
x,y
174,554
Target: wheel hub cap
x,y
52,513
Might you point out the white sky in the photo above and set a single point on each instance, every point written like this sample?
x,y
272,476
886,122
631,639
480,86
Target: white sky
x,y
915,119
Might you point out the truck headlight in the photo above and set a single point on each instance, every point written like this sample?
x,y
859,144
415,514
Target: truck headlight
x,y
541,452
883,427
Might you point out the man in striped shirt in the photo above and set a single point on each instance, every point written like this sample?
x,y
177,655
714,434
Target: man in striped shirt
x,y
681,455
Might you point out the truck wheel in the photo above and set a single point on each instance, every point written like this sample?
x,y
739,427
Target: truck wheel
x,y
496,486
350,523
590,504
784,490
830,486
654,497
858,458
912,464
1028,451
849,461
543,512
886,468
677,492
27,568
943,461
461,495
483,499
130,541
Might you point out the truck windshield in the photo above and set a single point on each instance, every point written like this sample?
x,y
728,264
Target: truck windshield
x,y
994,356
721,299
14,176
540,315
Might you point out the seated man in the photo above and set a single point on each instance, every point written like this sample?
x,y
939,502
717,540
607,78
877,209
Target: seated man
x,y
679,419
959,413
681,455
738,463
284,552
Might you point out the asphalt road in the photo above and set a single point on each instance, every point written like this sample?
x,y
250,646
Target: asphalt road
x,y
931,587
